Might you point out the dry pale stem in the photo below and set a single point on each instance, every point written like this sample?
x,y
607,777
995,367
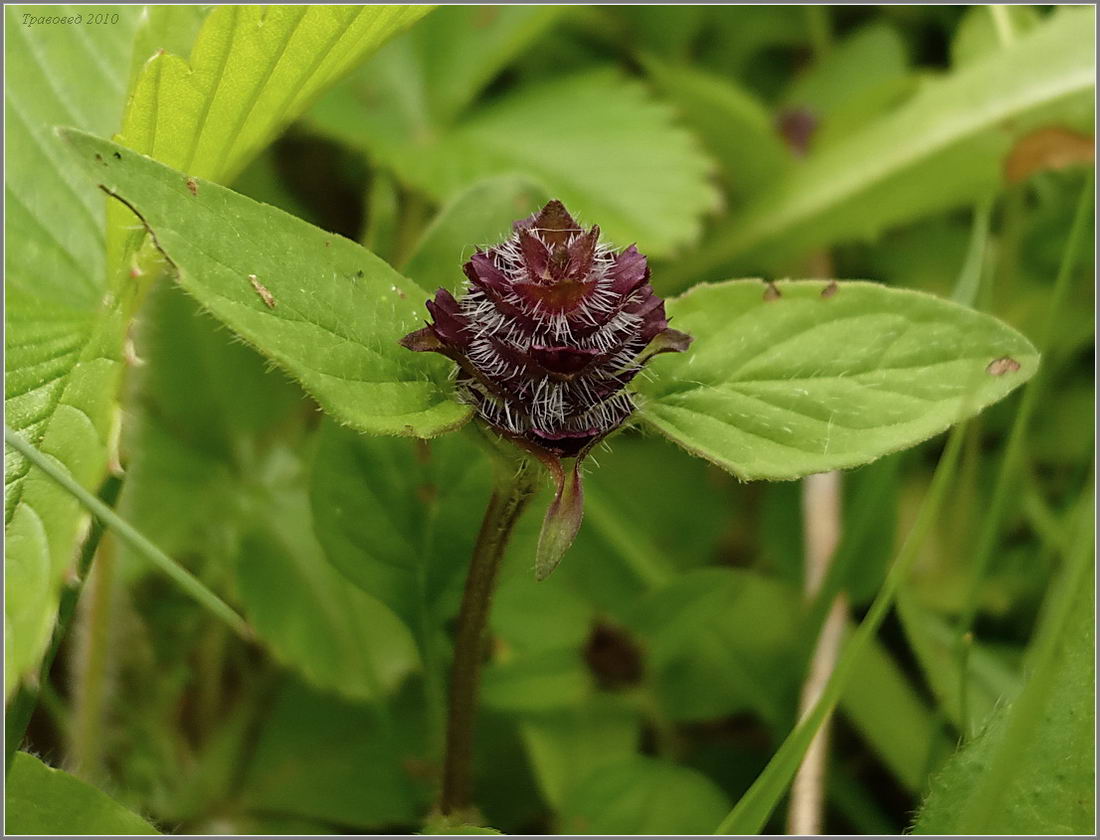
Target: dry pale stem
x,y
821,517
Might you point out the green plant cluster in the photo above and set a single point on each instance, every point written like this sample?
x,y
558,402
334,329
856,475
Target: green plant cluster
x,y
220,222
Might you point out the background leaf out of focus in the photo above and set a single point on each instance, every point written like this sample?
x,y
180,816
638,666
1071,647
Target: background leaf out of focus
x,y
645,686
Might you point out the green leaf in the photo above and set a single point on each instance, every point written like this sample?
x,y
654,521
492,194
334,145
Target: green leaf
x,y
977,36
320,306
1031,771
399,518
440,825
839,92
567,746
939,150
63,333
824,376
252,71
882,705
596,141
482,215
312,618
542,680
734,125
204,417
170,29
459,50
42,800
935,645
644,796
216,472
317,757
721,641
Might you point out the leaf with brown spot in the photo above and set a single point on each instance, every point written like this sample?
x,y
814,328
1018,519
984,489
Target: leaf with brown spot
x,y
1048,148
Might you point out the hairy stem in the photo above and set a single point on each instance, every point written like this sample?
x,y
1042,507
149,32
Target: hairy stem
x,y
505,506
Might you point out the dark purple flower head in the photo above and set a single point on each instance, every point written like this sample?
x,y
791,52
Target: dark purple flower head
x,y
552,328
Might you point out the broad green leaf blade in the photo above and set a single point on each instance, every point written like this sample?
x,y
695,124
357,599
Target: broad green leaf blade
x,y
601,144
644,796
721,642
942,149
457,52
63,334
400,518
321,758
340,639
204,422
735,127
216,472
480,216
839,93
170,29
1032,769
824,376
252,71
976,35
596,141
42,800
324,309
568,746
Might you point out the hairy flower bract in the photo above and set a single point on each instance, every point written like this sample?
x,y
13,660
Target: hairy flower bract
x,y
553,326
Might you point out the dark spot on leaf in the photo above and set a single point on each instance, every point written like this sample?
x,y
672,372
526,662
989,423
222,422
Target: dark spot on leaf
x,y
797,127
613,657
1001,366
359,274
427,493
99,158
771,292
398,292
328,242
193,186
830,290
117,156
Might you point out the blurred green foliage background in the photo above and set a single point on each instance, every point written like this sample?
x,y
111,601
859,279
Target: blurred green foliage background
x,y
645,685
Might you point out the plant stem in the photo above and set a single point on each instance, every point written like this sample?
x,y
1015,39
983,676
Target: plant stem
x,y
753,810
821,495
90,665
507,502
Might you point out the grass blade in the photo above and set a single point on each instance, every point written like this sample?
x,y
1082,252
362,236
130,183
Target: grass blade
x,y
129,535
